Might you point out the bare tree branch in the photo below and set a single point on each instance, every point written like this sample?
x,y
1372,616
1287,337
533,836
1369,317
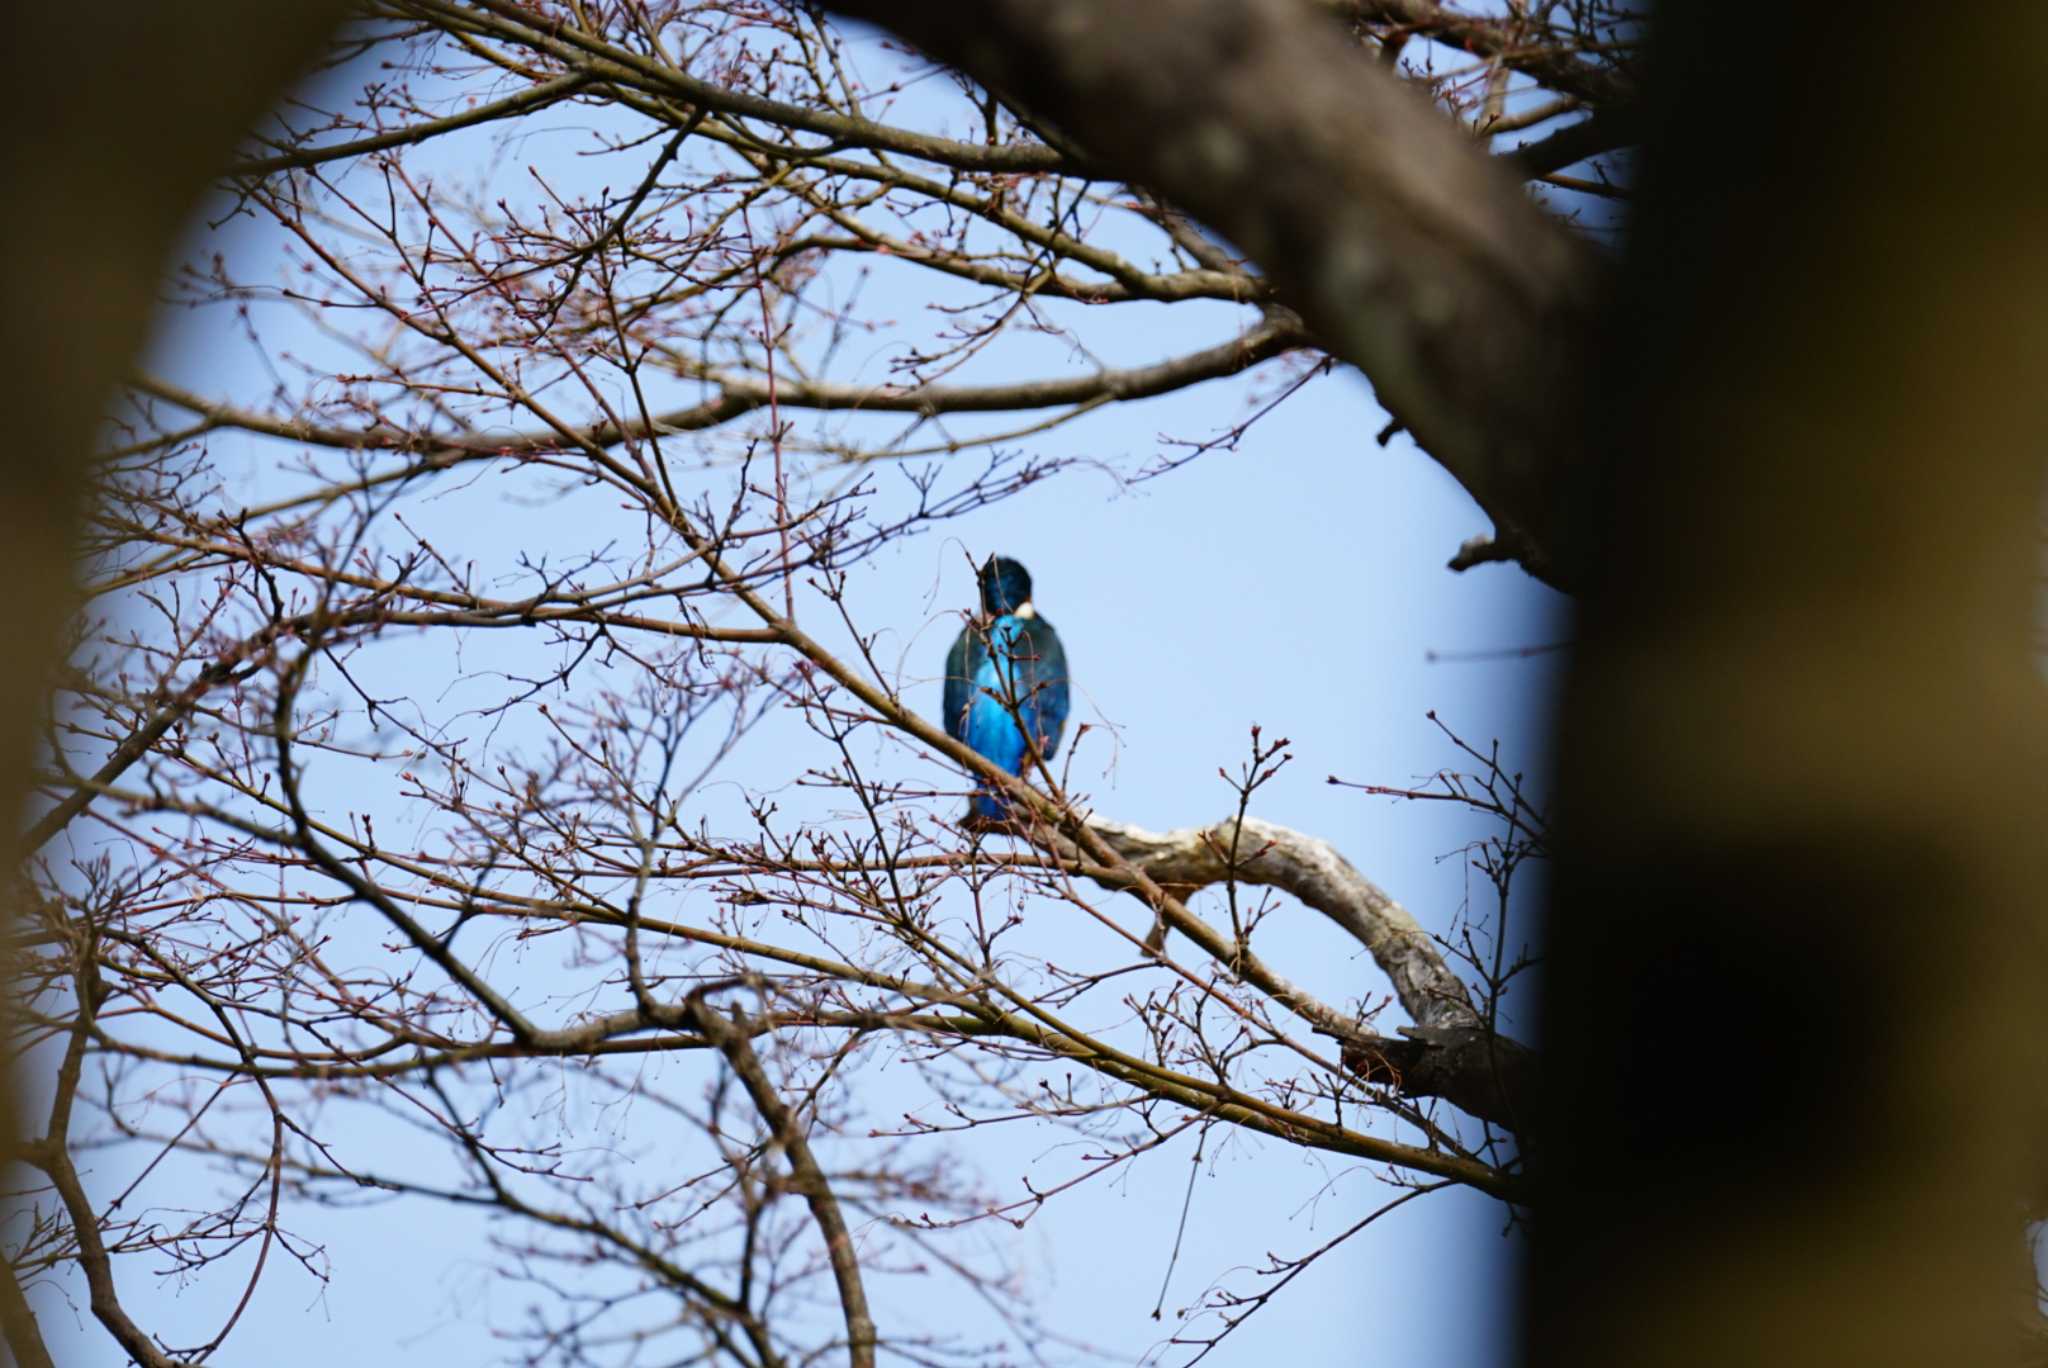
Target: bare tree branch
x,y
731,1039
52,1154
1451,1052
741,394
511,106
596,59
1550,62
1309,868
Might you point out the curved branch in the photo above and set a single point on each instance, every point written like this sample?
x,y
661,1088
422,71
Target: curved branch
x,y
52,1155
731,1039
1450,1052
738,395
1311,870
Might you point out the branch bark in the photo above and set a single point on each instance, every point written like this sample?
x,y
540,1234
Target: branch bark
x,y
1449,1053
1311,870
1407,250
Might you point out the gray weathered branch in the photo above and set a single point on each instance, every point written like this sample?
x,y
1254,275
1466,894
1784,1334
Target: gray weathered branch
x,y
1313,872
1450,1052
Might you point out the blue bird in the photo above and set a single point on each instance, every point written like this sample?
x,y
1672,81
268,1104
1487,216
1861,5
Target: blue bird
x,y
1006,681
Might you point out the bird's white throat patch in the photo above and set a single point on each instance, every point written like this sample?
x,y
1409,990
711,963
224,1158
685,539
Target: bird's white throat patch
x,y
1025,610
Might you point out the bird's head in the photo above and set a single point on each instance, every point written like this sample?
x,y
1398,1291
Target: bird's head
x,y
1005,586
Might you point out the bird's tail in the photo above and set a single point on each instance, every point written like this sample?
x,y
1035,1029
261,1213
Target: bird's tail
x,y
987,805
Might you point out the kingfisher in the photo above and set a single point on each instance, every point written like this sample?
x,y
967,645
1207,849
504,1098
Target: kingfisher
x,y
1006,681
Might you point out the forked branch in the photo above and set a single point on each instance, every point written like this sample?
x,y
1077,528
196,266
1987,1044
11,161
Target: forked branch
x,y
731,1036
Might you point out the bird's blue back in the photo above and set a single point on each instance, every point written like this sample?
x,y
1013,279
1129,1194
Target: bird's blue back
x,y
1011,671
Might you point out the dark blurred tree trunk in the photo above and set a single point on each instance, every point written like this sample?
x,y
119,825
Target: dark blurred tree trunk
x,y
117,116
1796,1020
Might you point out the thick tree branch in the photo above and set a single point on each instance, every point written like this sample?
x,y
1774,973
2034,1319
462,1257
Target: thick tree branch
x,y
1475,1070
1408,251
1449,1053
132,107
1310,869
1576,142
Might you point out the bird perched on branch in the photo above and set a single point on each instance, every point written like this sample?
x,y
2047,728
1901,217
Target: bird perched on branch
x,y
1006,682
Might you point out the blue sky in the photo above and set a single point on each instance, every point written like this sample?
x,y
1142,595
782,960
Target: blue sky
x,y
1295,581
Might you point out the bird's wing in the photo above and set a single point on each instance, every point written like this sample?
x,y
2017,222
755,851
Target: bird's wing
x,y
962,663
992,728
1042,690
